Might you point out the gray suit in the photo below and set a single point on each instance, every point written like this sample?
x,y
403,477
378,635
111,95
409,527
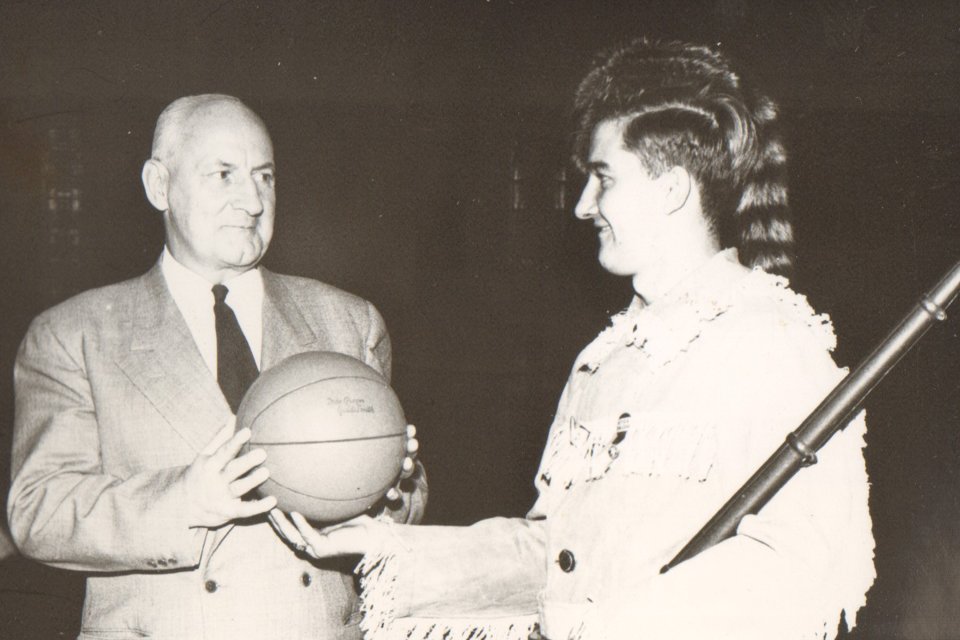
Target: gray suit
x,y
112,401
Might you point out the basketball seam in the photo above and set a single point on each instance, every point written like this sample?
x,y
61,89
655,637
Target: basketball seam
x,y
313,497
307,384
281,444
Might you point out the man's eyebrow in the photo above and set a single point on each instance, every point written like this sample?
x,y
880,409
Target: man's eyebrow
x,y
221,164
595,166
230,165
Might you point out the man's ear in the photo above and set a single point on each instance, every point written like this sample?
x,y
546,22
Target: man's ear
x,y
677,185
156,179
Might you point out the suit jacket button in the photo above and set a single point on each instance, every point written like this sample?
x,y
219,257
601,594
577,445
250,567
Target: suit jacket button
x,y
567,561
210,586
306,579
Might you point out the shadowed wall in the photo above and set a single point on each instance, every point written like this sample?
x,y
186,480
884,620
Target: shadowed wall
x,y
404,133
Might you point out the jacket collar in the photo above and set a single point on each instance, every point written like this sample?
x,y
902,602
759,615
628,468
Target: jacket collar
x,y
164,363
285,330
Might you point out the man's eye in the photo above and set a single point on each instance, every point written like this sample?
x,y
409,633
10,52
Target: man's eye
x,y
266,178
223,174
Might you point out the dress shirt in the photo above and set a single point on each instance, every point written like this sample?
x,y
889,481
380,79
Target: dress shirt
x,y
194,297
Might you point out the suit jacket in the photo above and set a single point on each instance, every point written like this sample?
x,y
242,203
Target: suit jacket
x,y
113,400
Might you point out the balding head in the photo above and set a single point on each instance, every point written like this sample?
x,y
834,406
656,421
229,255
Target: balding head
x,y
177,123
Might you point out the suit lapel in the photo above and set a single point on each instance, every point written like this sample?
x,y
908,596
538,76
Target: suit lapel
x,y
285,331
164,364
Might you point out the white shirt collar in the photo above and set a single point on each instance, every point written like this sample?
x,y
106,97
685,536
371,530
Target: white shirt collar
x,y
194,298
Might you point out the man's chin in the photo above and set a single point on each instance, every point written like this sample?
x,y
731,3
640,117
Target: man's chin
x,y
249,251
243,260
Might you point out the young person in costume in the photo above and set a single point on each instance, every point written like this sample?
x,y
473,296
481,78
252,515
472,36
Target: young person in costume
x,y
667,412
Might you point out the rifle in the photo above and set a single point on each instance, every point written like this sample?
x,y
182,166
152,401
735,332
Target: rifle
x,y
801,446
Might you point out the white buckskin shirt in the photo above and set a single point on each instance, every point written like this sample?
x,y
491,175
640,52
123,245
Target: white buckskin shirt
x,y
666,413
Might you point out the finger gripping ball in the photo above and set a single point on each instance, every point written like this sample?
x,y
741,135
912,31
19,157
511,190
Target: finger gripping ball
x,y
333,431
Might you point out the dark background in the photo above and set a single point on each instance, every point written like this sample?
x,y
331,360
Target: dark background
x,y
423,163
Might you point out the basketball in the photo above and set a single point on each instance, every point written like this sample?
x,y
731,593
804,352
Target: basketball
x,y
333,431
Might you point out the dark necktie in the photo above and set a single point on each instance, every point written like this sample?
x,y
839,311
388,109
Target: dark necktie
x,y
236,367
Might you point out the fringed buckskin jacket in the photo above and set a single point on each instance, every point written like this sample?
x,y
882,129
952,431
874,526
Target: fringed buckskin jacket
x,y
666,413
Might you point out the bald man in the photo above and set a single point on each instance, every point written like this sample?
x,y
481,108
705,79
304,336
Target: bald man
x,y
125,460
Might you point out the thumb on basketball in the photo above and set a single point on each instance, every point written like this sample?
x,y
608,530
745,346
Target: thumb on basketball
x,y
286,529
353,537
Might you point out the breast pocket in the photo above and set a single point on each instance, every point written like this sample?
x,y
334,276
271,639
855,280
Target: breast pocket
x,y
663,444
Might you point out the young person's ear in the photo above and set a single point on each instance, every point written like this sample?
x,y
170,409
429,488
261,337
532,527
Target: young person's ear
x,y
677,184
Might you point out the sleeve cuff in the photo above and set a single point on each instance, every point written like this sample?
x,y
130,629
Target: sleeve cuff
x,y
384,609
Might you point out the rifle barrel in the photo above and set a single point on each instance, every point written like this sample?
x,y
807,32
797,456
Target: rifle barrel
x,y
799,449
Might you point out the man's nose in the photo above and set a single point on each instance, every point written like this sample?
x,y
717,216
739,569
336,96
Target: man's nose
x,y
587,204
248,197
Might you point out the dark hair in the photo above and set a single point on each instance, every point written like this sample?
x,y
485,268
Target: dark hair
x,y
682,105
